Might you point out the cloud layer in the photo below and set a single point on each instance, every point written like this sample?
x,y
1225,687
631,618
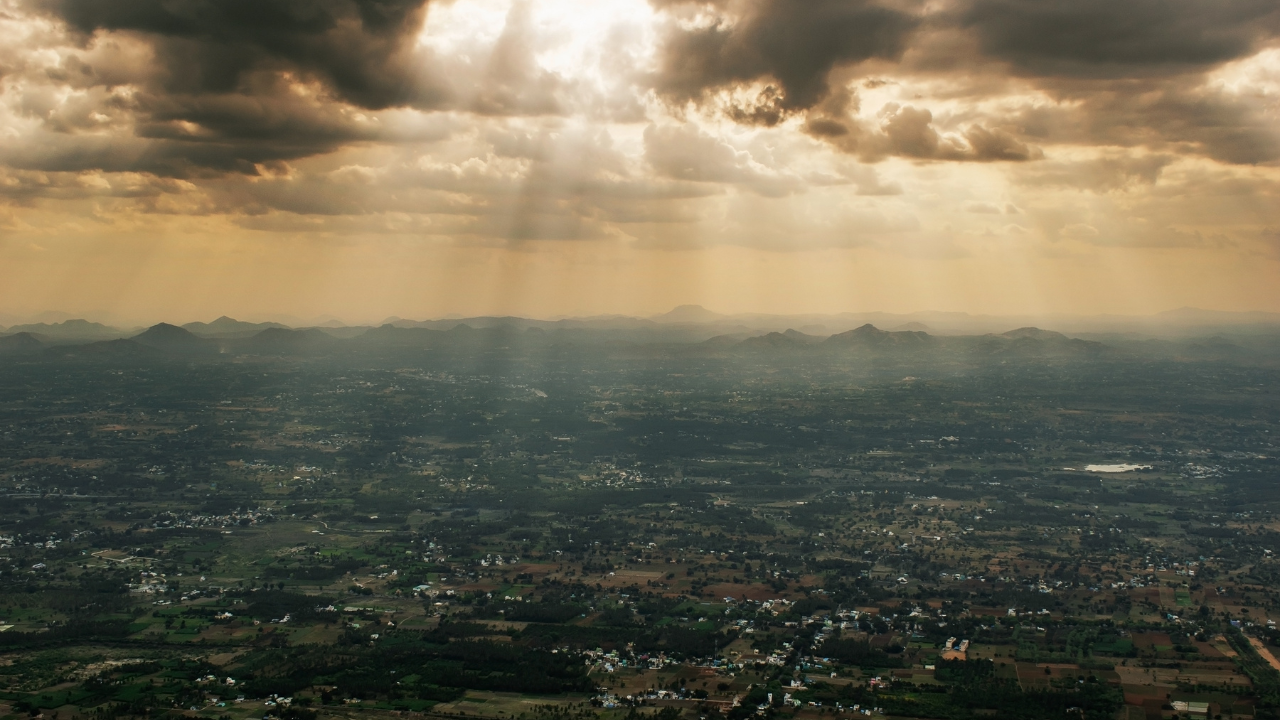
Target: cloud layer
x,y
923,128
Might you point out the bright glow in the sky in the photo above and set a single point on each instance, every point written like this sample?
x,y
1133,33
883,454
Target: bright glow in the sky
x,y
573,37
553,157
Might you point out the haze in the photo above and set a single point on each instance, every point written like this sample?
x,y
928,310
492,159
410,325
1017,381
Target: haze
x,y
180,160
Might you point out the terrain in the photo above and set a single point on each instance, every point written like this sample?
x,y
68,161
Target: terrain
x,y
504,518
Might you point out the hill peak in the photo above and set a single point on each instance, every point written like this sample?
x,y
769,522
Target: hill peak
x,y
1035,333
911,327
165,328
869,335
164,336
689,313
74,328
226,326
773,340
19,342
797,335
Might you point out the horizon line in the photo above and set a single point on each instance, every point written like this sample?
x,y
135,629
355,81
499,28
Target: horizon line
x,y
9,321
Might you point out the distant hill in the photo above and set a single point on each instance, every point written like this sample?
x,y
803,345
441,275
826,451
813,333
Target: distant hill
x,y
406,342
69,330
1034,342
804,338
911,327
21,343
346,332
727,340
225,327
771,341
1035,333
690,314
1197,316
789,340
283,341
174,339
51,316
870,336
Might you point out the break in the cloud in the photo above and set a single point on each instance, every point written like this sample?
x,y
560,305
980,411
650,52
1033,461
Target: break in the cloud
x,y
977,137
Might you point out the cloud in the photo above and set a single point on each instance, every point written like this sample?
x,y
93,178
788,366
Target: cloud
x,y
907,131
684,152
1108,39
187,87
361,49
1185,116
1113,171
514,83
997,144
195,136
518,181
26,185
1141,73
789,45
781,124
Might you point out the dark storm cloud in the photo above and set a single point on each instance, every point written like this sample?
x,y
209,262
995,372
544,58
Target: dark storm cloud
x,y
190,136
163,157
797,43
1164,115
361,49
1133,73
1129,72
219,86
793,43
224,85
1110,38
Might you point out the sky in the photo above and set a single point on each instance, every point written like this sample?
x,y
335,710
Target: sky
x,y
183,159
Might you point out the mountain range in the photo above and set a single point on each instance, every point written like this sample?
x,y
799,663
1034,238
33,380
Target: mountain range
x,y
517,337
1204,332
